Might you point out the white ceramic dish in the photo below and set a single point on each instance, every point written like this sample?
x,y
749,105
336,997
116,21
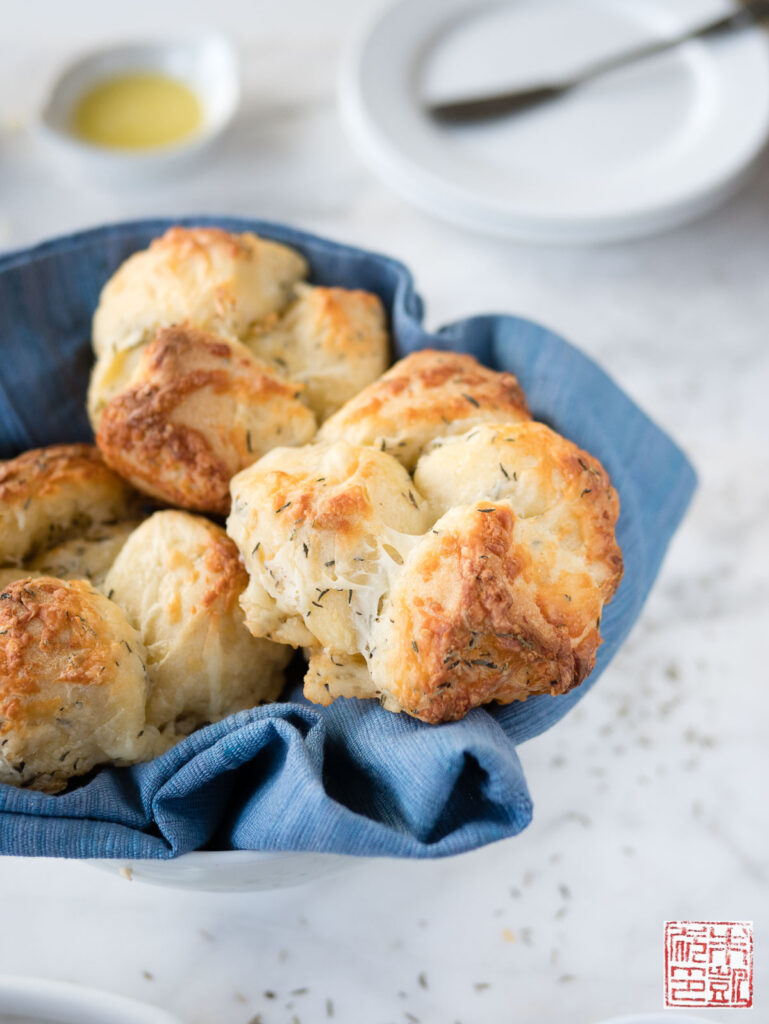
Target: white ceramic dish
x,y
232,870
642,149
35,999
208,65
657,1018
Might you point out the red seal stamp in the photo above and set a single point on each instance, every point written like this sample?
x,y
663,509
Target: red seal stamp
x,y
709,963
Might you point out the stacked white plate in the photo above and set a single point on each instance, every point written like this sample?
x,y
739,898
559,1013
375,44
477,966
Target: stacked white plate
x,y
641,149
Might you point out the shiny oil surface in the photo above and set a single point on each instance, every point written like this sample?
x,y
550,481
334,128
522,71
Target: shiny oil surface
x,y
141,110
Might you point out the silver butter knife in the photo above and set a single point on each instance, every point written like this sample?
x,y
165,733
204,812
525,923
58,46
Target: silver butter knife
x,y
486,108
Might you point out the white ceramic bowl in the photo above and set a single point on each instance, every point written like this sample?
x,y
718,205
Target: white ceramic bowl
x,y
232,870
657,1018
208,65
35,999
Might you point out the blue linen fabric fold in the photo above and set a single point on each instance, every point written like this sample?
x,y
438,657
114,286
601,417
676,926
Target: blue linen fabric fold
x,y
351,778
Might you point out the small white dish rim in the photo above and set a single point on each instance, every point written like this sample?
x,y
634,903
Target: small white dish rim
x,y
208,63
63,1002
655,1018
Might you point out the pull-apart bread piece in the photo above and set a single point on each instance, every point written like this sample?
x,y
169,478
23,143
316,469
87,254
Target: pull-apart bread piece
x,y
73,685
197,410
206,277
179,580
332,340
426,395
322,529
56,493
504,597
211,350
217,282
481,580
86,557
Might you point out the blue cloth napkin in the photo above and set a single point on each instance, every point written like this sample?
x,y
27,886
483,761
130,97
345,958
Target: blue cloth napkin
x,y
351,778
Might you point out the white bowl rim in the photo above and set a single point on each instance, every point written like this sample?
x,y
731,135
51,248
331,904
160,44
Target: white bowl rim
x,y
657,1017
230,870
64,1002
142,53
216,858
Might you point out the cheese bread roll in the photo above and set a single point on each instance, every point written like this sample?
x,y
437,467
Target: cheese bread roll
x,y
332,340
198,409
87,557
503,598
322,529
426,395
179,580
205,277
73,685
56,492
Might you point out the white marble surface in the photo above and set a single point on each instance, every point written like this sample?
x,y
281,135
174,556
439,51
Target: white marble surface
x,y
651,797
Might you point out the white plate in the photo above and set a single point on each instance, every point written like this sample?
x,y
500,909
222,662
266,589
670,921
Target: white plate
x,y
35,999
657,1018
232,870
641,149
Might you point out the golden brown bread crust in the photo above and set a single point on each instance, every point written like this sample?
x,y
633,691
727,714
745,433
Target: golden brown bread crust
x,y
462,627
473,622
48,494
111,373
496,596
72,684
177,422
519,577
210,278
531,568
199,409
333,340
171,462
179,580
426,395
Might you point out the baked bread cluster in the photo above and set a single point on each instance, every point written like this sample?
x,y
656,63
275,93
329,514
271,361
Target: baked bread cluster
x,y
434,548
211,350
415,532
120,628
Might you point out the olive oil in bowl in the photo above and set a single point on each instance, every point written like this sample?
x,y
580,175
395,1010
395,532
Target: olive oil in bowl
x,y
139,111
136,112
